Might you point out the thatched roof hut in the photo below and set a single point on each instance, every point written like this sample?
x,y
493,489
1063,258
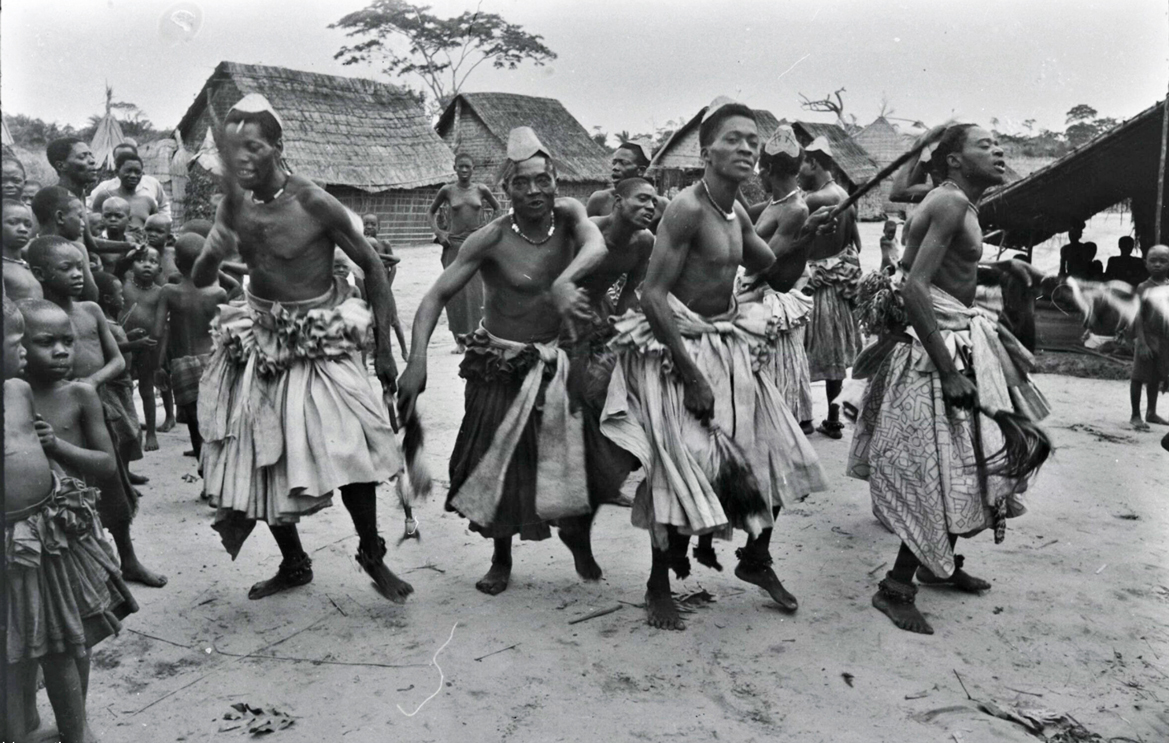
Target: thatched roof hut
x,y
479,123
369,142
1120,164
882,141
854,163
106,137
678,163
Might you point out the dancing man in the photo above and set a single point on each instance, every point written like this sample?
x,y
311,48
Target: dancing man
x,y
516,469
923,436
286,409
691,384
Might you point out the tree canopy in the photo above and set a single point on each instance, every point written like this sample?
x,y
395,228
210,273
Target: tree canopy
x,y
408,40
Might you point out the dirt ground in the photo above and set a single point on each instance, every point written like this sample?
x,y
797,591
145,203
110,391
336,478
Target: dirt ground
x,y
1077,621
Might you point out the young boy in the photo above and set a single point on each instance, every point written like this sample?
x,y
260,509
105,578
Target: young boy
x,y
58,265
53,618
890,250
1150,367
19,283
58,212
142,295
115,219
158,236
123,417
370,225
191,310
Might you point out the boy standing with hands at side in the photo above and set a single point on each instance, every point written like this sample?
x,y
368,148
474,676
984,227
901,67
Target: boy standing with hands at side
x,y
1150,366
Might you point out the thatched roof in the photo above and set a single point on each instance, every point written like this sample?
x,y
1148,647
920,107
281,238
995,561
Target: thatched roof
x,y
5,135
681,149
1122,163
338,130
882,141
578,157
855,164
107,136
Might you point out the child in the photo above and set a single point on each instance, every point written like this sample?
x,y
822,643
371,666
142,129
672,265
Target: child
x,y
121,414
11,178
115,218
142,295
19,283
1150,366
62,214
57,264
29,191
370,225
890,251
191,310
64,591
158,236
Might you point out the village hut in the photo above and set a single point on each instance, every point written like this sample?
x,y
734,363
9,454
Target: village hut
x,y
854,164
479,123
368,143
107,136
884,144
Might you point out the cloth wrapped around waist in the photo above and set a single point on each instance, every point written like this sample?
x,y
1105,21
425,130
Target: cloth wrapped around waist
x,y
841,272
561,478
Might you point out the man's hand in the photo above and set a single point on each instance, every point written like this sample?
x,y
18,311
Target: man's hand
x,y
958,391
411,384
570,301
385,366
45,434
698,397
442,237
821,221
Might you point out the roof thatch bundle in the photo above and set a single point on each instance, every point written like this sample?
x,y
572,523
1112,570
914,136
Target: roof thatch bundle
x,y
105,139
854,163
479,123
341,131
882,141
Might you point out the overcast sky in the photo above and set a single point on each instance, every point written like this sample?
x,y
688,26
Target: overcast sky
x,y
634,64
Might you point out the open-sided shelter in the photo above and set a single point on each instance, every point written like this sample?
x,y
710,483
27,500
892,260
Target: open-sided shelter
x,y
368,143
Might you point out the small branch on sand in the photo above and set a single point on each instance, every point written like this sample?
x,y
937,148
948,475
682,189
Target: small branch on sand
x,y
497,652
595,614
874,570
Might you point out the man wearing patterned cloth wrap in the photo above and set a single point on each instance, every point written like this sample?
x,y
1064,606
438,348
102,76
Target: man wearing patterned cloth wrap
x,y
519,461
915,438
692,373
285,406
833,339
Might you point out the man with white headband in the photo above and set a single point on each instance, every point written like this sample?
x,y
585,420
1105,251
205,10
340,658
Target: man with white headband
x,y
285,406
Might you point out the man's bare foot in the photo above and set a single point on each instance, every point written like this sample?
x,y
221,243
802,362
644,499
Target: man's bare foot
x,y
166,425
135,572
136,479
189,453
895,600
1156,419
299,572
151,443
495,582
807,427
372,561
705,555
661,610
960,580
760,574
1138,424
582,555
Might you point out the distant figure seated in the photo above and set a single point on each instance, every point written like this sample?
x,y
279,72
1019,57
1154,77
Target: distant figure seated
x,y
1126,267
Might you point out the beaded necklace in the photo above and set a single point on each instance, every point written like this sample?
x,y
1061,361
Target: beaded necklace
x,y
773,202
729,216
515,227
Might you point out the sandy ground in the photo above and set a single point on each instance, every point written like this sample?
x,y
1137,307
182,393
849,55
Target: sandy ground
x,y
1077,621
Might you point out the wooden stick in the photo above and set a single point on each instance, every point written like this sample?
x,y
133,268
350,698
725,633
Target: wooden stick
x,y
595,614
881,175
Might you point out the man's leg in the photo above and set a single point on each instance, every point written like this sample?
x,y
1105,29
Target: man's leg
x,y
149,404
168,409
660,609
296,567
132,569
961,580
192,416
755,567
360,500
896,595
832,426
497,577
1152,390
1134,398
576,533
704,552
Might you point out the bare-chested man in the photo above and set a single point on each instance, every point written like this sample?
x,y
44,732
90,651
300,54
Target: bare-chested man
x,y
286,422
833,338
531,262
466,201
629,161
930,494
670,409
